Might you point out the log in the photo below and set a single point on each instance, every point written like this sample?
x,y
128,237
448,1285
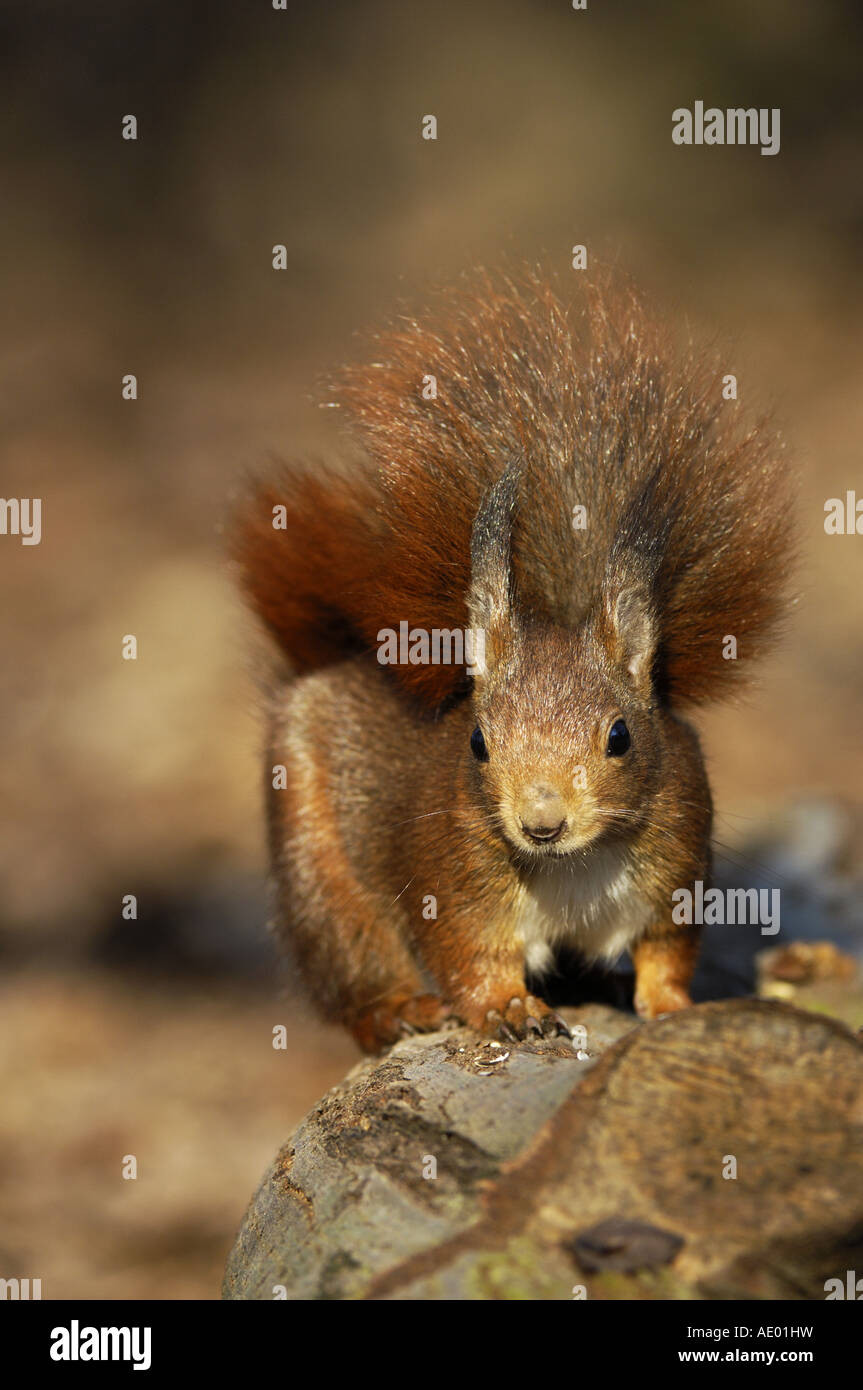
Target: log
x,y
715,1153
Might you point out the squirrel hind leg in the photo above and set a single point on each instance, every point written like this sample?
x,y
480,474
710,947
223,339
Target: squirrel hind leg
x,y
336,918
397,1016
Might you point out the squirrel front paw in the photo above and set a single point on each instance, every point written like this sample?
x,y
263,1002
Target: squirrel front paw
x,y
658,1002
384,1023
523,1016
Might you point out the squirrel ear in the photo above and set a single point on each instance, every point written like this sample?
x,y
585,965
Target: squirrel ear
x,y
490,600
632,629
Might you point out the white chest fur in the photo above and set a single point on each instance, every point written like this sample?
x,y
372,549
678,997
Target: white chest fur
x,y
593,906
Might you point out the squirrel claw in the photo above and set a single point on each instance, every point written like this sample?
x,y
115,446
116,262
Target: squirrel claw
x,y
516,1024
553,1026
397,1017
497,1023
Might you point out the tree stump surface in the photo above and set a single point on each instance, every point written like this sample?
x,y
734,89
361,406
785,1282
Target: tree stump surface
x,y
454,1169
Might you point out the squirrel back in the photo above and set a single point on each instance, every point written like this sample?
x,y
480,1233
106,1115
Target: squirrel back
x,y
630,470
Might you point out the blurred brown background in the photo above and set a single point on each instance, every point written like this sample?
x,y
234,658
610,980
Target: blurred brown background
x,y
256,127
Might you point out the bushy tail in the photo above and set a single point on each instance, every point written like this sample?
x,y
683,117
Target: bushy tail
x,y
626,448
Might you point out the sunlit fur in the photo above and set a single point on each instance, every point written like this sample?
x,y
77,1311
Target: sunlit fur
x,y
415,879
604,410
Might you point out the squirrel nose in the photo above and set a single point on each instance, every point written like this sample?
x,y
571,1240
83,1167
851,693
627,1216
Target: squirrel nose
x,y
544,834
542,815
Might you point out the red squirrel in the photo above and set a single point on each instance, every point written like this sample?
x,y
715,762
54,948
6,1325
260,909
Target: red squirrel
x,y
562,481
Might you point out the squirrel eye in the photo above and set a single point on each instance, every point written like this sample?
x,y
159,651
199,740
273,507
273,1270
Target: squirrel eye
x,y
477,746
618,739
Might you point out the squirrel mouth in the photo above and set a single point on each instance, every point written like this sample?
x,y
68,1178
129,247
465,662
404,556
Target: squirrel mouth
x,y
535,843
542,834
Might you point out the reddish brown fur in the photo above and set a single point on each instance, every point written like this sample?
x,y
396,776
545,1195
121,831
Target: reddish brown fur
x,y
603,413
385,805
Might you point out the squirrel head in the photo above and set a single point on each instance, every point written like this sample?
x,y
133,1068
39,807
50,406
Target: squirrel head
x,y
566,744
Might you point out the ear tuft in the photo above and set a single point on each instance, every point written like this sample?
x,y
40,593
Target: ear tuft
x,y
491,600
633,633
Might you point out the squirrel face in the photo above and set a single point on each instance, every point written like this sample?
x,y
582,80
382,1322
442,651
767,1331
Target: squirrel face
x,y
567,742
566,745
